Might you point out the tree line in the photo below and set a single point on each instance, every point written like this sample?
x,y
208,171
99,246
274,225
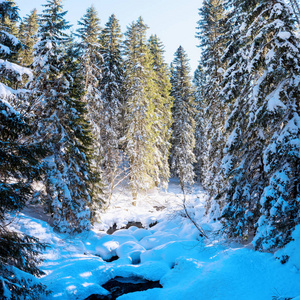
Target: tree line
x,y
80,113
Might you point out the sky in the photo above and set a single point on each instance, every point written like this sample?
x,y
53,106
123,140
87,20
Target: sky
x,y
174,21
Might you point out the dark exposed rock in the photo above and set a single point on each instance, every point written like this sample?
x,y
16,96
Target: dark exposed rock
x,y
159,208
114,228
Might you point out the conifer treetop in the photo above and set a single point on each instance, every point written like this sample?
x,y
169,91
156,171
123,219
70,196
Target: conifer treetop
x,y
90,26
53,22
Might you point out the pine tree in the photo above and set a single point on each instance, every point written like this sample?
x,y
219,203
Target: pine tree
x,y
83,178
113,103
200,123
28,31
242,162
261,164
163,103
140,90
61,123
183,139
19,166
213,108
91,65
275,61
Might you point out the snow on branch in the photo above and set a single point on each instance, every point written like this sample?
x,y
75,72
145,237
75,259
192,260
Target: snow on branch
x,y
16,69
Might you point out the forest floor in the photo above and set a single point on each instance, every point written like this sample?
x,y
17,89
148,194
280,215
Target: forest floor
x,y
168,249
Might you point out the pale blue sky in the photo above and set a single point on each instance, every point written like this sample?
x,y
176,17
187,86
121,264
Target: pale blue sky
x,y
174,21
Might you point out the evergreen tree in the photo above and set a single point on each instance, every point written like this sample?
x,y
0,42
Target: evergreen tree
x,y
112,97
19,166
183,139
140,92
163,116
28,31
242,162
213,109
200,121
261,164
275,61
61,123
91,65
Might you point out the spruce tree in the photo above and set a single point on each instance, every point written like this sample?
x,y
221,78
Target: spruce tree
x,y
140,90
61,123
183,136
213,109
242,164
19,167
163,116
28,31
200,123
91,65
261,164
113,103
275,61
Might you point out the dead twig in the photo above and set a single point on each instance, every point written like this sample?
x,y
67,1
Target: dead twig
x,y
199,228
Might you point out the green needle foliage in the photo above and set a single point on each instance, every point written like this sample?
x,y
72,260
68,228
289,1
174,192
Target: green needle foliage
x,y
183,136
141,89
163,103
62,123
27,33
20,165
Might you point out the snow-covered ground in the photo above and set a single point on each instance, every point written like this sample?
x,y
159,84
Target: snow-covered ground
x,y
172,252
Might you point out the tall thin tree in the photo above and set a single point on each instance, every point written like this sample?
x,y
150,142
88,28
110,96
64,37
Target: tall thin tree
x,y
163,103
91,65
61,123
183,136
28,31
113,104
139,84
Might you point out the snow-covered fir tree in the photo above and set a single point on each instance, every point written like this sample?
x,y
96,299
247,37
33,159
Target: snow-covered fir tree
x,y
275,61
200,121
242,162
27,35
183,135
19,167
62,125
212,107
113,104
261,86
140,92
163,115
91,65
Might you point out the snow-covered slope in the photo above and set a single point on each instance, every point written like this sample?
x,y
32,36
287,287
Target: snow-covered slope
x,y
172,252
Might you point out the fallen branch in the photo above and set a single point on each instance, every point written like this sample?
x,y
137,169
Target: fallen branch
x,y
199,228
